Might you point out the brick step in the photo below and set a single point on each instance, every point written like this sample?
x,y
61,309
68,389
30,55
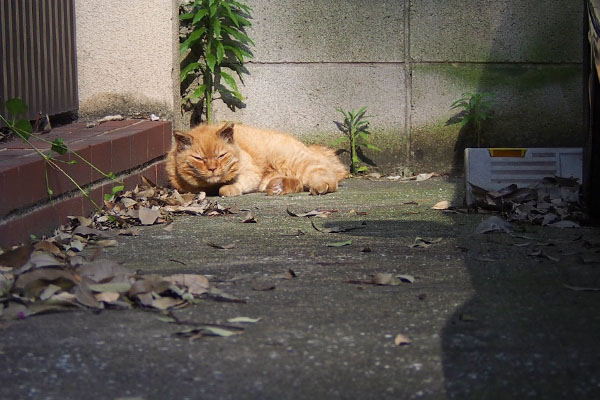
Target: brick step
x,y
129,148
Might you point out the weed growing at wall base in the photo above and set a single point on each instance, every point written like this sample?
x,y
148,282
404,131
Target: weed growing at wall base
x,y
355,127
475,109
214,50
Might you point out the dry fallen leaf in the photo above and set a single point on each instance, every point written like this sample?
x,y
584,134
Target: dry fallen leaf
x,y
195,284
15,258
219,246
339,244
402,340
334,229
422,243
107,297
246,320
313,213
148,216
441,205
248,219
164,303
542,254
493,224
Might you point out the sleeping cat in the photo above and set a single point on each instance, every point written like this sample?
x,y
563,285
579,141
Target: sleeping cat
x,y
230,160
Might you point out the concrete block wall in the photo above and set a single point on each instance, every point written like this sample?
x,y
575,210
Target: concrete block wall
x,y
407,61
127,57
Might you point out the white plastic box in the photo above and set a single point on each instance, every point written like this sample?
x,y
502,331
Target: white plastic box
x,y
496,168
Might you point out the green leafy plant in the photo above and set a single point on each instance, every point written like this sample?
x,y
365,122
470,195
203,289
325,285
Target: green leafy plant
x,y
475,109
215,49
355,127
22,129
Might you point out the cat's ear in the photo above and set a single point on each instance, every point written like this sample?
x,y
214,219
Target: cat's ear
x,y
226,132
182,139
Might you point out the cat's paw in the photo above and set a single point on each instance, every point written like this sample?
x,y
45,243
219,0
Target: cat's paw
x,y
322,187
229,190
283,185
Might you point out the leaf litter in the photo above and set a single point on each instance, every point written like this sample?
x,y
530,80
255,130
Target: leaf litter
x,y
552,201
51,276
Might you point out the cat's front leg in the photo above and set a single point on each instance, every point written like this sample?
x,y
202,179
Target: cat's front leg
x,y
229,191
283,185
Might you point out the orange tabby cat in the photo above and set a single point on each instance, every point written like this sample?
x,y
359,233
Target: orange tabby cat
x,y
230,160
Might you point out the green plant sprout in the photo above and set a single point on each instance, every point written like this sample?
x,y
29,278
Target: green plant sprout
x,y
22,129
217,43
355,127
476,109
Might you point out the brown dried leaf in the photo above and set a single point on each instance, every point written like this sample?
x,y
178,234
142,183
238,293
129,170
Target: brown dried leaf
x,y
219,246
87,232
81,221
196,284
147,181
148,284
164,303
15,258
385,279
31,284
565,224
290,274
110,287
48,247
334,229
106,243
263,285
84,296
129,232
422,243
542,254
127,202
441,205
401,340
102,271
107,297
312,213
64,298
249,219
148,216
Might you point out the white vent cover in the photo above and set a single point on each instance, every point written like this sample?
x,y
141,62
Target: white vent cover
x,y
494,169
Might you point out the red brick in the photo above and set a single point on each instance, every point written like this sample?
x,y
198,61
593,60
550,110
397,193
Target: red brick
x,y
40,223
139,147
71,206
161,174
156,142
111,125
30,184
121,152
9,190
150,173
100,157
80,172
167,136
96,195
132,181
69,130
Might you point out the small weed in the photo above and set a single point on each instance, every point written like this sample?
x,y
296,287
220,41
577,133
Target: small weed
x,y
476,109
216,43
355,127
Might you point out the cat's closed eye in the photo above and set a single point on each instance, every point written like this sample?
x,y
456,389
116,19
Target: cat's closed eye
x,y
198,158
220,156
